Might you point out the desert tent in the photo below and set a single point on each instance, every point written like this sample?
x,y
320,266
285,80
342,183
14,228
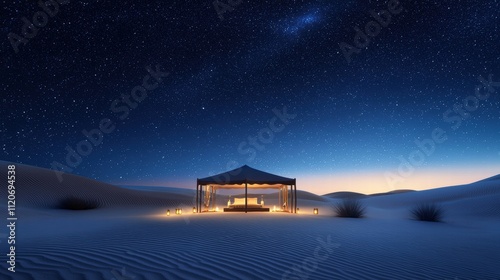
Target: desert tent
x,y
247,178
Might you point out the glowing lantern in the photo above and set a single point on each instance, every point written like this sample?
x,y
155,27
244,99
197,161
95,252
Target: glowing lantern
x,y
297,210
315,211
216,209
168,212
194,209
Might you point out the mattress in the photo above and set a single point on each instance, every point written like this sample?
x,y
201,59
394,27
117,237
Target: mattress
x,y
243,206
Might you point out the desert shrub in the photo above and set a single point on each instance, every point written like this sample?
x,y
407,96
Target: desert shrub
x,y
75,203
349,209
427,212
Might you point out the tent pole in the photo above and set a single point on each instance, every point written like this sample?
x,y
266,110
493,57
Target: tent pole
x,y
197,186
246,200
291,199
285,196
201,197
288,194
286,202
279,196
215,198
295,210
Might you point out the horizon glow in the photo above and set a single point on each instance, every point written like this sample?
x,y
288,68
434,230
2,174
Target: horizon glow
x,y
362,181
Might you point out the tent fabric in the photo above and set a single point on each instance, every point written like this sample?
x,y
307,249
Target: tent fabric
x,y
250,186
245,174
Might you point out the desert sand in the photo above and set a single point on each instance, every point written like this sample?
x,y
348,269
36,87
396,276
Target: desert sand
x,y
130,236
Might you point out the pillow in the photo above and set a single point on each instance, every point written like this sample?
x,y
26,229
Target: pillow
x,y
239,201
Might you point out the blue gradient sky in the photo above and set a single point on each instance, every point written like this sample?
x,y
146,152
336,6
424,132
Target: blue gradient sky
x,y
352,124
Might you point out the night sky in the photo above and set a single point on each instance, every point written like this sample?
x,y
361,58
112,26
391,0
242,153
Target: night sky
x,y
262,83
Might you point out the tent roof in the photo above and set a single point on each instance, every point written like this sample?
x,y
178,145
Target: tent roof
x,y
245,174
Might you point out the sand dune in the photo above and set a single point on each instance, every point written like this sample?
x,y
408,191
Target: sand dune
x,y
345,195
40,188
130,236
479,198
391,192
355,195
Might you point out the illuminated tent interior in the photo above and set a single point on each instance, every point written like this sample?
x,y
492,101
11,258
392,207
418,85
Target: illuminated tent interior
x,y
245,178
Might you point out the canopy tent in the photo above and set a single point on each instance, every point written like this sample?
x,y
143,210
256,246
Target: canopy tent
x,y
247,178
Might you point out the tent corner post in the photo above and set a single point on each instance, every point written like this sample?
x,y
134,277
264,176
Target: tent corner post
x,y
295,186
246,199
197,186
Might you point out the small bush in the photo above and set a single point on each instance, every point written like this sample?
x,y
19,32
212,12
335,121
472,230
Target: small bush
x,y
75,203
427,212
349,209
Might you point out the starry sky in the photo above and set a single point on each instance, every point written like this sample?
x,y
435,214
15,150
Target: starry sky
x,y
296,88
